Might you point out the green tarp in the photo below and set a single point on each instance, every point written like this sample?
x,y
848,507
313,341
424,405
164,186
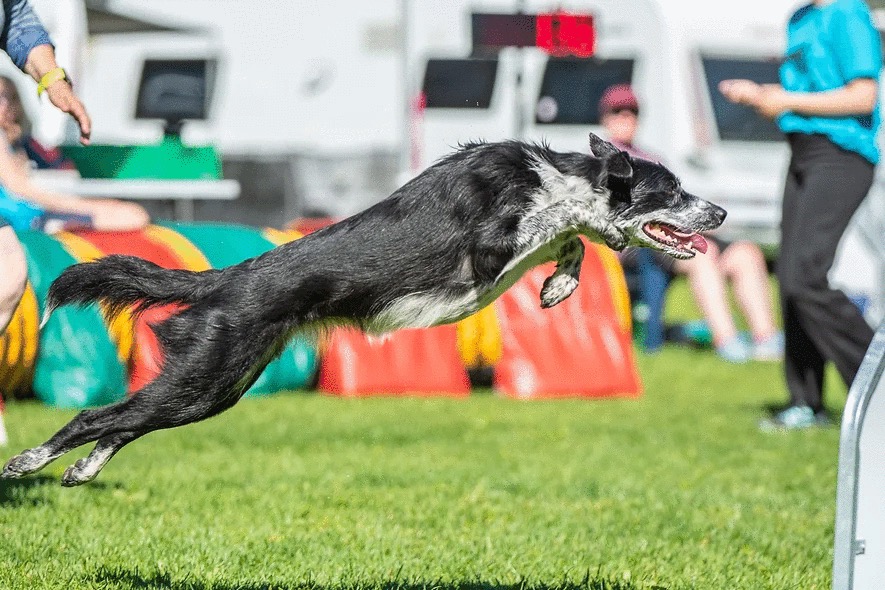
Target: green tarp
x,y
77,363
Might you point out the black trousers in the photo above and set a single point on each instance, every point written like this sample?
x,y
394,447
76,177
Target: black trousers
x,y
825,185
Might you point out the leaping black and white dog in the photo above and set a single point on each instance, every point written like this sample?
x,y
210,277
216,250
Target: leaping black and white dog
x,y
440,248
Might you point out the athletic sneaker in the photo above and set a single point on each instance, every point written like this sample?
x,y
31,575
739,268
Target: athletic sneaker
x,y
737,350
794,418
770,349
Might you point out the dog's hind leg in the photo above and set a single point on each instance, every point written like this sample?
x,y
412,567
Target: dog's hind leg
x,y
564,280
87,426
85,470
201,377
163,403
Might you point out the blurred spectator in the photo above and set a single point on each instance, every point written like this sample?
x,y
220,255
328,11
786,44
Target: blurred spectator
x,y
29,47
23,204
742,263
27,206
827,104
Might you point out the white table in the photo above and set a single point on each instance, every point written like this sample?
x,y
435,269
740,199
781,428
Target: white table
x,y
183,193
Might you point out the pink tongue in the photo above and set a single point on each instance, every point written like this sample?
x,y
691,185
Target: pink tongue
x,y
699,243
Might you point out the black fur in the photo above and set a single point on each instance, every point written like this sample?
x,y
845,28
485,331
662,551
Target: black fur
x,y
456,231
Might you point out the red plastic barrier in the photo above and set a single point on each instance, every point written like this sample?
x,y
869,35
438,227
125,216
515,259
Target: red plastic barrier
x,y
308,225
576,349
134,243
407,362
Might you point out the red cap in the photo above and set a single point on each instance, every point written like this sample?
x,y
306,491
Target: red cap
x,y
618,98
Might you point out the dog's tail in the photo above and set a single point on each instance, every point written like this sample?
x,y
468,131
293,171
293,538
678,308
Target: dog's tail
x,y
120,282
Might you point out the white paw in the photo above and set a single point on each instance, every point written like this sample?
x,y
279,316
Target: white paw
x,y
557,288
81,472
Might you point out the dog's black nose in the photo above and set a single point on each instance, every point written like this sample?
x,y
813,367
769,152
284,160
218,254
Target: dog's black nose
x,y
719,213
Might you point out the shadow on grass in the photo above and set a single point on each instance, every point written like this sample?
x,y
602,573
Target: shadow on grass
x,y
29,491
126,579
25,491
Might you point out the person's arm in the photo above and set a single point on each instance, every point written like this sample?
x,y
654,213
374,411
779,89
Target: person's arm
x,y
856,50
29,47
40,61
15,178
858,97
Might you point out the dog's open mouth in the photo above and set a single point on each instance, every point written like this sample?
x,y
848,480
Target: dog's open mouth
x,y
678,241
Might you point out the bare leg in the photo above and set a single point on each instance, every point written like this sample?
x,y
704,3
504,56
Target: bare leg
x,y
708,285
13,275
110,215
744,264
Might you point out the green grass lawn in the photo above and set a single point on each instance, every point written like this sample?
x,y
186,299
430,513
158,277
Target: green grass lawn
x,y
675,490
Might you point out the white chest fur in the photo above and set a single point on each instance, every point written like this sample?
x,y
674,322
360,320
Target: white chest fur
x,y
423,310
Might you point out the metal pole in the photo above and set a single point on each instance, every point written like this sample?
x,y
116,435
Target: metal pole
x,y
859,546
519,110
406,132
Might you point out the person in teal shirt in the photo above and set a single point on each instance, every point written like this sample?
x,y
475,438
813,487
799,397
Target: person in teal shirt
x,y
827,105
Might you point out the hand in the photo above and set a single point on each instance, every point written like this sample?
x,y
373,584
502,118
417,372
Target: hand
x,y
62,96
769,100
745,92
772,101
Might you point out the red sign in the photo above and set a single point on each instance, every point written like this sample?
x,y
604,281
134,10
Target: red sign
x,y
565,34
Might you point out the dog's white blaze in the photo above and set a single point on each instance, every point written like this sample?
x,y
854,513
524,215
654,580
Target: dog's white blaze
x,y
556,186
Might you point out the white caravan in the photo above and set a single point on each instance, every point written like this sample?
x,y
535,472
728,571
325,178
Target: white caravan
x,y
674,53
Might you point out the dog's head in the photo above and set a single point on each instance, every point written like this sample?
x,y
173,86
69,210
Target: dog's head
x,y
649,206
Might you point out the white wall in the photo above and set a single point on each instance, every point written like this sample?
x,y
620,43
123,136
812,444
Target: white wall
x,y
294,75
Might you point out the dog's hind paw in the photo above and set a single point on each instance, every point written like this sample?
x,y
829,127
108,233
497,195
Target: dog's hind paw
x,y
78,474
557,288
25,463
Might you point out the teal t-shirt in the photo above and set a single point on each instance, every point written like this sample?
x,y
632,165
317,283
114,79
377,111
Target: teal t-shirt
x,y
17,213
827,47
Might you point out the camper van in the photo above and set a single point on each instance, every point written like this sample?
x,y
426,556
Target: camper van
x,y
674,53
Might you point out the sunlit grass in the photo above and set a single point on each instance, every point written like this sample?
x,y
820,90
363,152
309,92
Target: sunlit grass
x,y
675,490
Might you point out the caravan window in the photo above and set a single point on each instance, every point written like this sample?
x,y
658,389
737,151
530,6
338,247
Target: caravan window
x,y
572,87
459,83
739,122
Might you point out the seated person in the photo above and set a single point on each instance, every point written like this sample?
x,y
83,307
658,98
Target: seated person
x,y
24,205
741,263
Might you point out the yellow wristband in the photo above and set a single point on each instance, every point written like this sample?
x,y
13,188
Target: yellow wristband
x,y
50,78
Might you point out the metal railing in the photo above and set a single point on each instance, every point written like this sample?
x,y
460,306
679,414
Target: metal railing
x,y
859,550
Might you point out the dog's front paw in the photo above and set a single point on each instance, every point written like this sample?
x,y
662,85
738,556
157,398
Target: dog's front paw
x,y
614,238
557,288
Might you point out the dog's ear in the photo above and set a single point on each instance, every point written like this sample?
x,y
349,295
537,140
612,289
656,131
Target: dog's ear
x,y
601,148
616,162
619,166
